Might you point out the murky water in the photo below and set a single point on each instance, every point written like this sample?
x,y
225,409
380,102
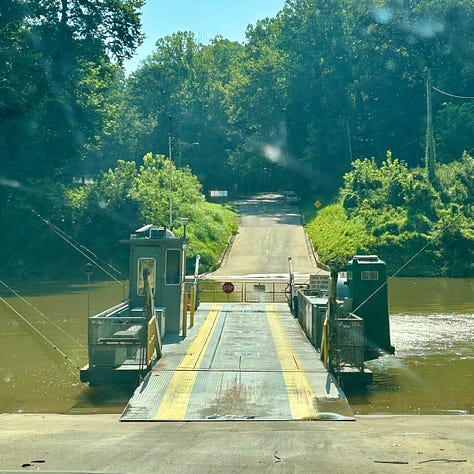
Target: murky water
x,y
40,372
432,372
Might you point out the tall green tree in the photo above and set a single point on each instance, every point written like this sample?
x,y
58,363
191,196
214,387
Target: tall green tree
x,y
59,59
315,37
178,92
61,50
256,99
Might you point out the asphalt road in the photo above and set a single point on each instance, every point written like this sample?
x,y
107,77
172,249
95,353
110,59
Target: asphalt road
x,y
269,233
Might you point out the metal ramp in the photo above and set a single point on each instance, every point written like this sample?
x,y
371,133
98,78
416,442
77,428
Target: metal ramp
x,y
241,361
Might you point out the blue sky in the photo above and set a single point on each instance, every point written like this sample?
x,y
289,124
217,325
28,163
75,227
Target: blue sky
x,y
205,18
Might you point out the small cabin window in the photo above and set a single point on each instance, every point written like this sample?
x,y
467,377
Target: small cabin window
x,y
173,266
349,275
369,275
150,264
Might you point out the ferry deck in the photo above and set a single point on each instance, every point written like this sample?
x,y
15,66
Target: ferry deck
x,y
240,361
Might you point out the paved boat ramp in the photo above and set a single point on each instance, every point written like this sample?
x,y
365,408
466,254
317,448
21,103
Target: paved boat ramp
x,y
240,361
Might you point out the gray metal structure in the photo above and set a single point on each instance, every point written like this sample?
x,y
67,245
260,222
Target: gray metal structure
x,y
157,249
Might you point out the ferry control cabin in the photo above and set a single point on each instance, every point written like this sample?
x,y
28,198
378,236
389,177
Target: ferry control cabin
x,y
125,340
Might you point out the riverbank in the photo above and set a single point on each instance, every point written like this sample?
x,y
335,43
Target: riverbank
x,y
371,444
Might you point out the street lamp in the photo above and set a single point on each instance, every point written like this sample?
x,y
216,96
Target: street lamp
x,y
182,147
184,221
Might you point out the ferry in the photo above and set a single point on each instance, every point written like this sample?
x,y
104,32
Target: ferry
x,y
343,315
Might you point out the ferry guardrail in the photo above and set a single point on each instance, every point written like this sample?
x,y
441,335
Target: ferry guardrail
x,y
347,342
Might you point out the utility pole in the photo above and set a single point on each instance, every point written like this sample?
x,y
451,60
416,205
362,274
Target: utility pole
x,y
171,172
430,153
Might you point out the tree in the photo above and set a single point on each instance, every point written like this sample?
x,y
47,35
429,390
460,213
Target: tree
x,y
454,243
314,35
454,130
396,213
255,100
179,91
57,53
126,197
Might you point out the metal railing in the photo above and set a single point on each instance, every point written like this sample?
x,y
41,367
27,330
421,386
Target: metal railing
x,y
345,343
115,341
244,291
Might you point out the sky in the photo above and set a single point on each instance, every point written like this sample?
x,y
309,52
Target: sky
x,y
205,18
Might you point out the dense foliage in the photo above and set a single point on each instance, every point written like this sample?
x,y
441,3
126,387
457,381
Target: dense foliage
x,y
124,198
294,106
419,228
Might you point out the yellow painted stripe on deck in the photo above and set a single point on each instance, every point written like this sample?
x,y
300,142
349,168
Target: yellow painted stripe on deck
x,y
176,397
300,393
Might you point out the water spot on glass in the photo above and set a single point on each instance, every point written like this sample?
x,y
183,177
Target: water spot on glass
x,y
382,14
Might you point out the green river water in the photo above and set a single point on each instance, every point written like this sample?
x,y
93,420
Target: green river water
x,y
432,328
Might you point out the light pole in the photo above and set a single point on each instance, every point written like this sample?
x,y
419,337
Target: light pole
x,y
171,173
184,221
182,147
